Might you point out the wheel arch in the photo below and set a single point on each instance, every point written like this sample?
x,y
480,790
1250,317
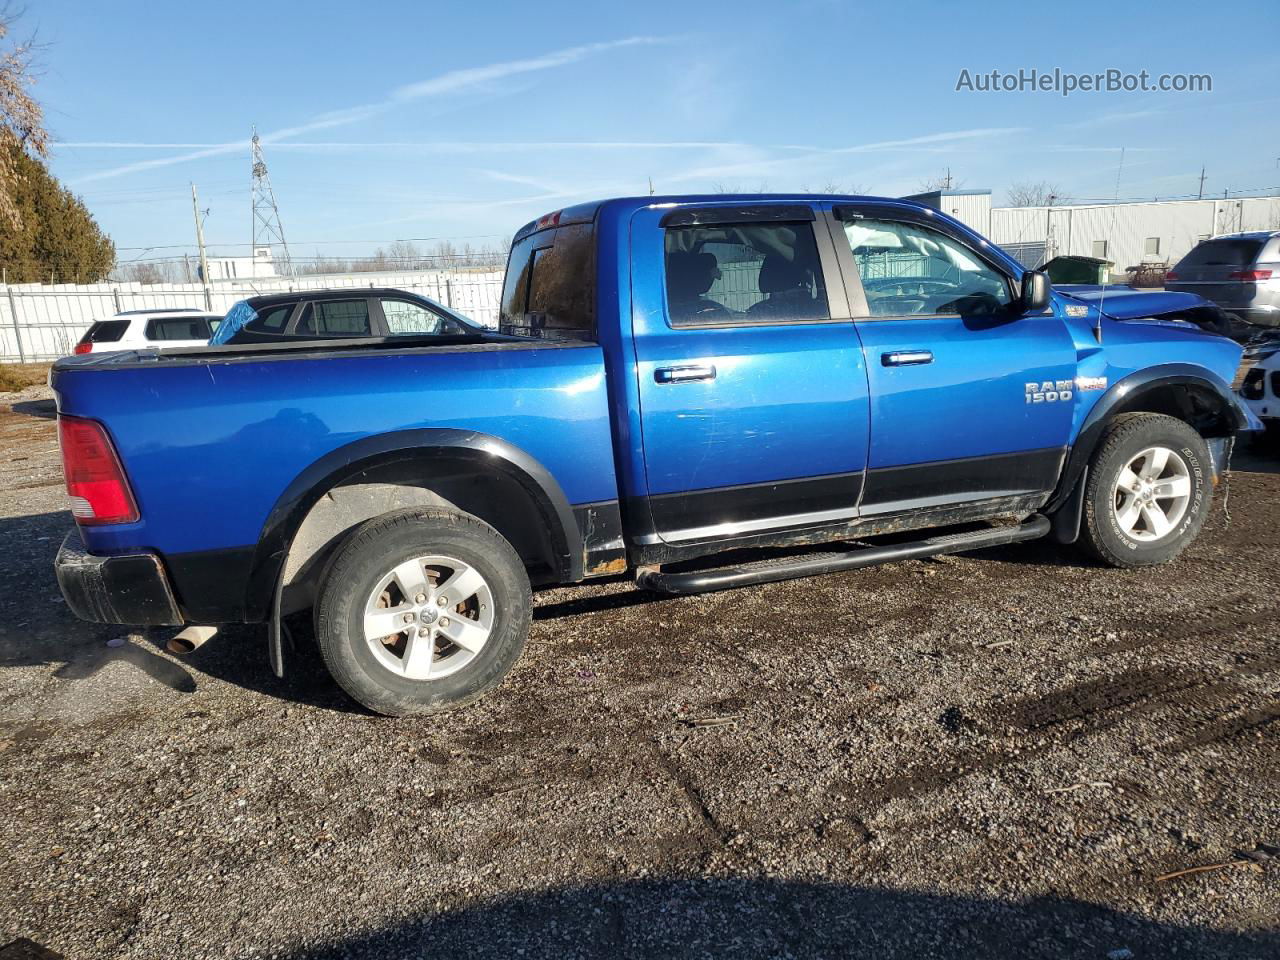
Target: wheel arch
x,y
1193,394
461,468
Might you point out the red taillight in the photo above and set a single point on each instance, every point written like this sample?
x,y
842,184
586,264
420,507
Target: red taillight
x,y
1250,276
1170,275
95,481
550,220
84,348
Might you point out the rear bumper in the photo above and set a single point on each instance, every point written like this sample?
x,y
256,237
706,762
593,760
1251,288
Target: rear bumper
x,y
129,589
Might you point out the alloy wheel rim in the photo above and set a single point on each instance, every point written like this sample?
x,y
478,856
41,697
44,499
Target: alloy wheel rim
x,y
428,617
1152,494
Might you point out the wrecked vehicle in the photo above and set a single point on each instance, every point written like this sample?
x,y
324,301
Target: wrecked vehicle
x,y
690,376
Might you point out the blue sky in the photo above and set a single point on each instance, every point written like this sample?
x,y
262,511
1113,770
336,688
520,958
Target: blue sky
x,y
385,121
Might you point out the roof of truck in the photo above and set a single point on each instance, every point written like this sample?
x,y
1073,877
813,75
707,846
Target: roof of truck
x,y
584,212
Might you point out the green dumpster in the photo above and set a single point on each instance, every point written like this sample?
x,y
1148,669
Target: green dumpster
x,y
1074,269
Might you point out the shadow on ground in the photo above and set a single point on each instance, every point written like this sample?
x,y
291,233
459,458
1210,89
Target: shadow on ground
x,y
37,628
746,918
41,409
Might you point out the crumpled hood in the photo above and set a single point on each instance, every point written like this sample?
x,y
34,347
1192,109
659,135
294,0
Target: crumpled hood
x,y
1125,303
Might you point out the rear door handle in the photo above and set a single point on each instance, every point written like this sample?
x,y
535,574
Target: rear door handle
x,y
906,358
686,374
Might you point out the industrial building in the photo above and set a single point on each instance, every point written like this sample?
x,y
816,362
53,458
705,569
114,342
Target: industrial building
x,y
1128,234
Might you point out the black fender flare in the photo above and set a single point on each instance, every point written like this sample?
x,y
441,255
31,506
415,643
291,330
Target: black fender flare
x,y
488,452
1127,393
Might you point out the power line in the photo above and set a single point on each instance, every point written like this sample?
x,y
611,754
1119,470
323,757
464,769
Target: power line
x,y
317,243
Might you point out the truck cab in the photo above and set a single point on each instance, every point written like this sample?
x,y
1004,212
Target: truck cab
x,y
785,367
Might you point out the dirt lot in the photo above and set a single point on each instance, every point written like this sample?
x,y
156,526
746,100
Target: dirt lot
x,y
993,755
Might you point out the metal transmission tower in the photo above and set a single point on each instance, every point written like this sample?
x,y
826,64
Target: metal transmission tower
x,y
267,230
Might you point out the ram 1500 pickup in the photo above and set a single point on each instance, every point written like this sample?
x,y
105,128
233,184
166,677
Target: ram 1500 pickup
x,y
675,378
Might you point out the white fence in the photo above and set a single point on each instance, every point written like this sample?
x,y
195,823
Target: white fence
x,y
44,322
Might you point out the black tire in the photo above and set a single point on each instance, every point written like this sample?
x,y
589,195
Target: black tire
x,y
369,553
1129,434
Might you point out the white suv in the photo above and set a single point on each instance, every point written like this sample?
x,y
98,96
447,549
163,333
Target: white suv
x,y
173,327
1261,391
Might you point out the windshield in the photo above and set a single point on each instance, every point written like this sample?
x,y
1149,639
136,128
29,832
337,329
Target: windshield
x,y
235,320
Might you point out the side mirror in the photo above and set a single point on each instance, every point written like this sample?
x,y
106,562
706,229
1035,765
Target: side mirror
x,y
1035,291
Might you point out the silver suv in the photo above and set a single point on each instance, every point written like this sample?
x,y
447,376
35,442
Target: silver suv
x,y
1239,272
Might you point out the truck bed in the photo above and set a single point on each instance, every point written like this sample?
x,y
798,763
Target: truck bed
x,y
211,439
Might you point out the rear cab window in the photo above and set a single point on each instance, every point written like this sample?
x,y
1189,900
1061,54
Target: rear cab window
x,y
105,331
549,290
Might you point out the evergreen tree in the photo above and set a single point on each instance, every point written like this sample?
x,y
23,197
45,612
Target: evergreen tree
x,y
54,239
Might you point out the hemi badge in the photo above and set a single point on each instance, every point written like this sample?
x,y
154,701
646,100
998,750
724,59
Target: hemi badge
x,y
1091,383
1074,311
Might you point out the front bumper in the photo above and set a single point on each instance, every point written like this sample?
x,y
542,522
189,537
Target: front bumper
x,y
129,589
1260,315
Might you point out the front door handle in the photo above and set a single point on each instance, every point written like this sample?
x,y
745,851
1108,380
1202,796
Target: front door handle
x,y
906,358
686,374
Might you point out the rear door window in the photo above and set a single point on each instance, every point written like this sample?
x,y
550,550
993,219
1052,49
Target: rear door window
x,y
550,288
105,331
178,328
334,318
742,273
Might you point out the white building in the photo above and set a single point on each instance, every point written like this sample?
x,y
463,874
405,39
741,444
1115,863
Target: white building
x,y
260,265
1127,234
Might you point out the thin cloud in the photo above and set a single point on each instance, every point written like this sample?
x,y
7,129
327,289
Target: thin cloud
x,y
932,138
439,146
929,143
455,81
1115,117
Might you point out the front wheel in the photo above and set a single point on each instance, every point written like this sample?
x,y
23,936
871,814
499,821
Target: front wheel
x,y
1148,493
422,610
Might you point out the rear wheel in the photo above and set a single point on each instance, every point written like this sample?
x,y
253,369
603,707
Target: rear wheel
x,y
1148,493
422,610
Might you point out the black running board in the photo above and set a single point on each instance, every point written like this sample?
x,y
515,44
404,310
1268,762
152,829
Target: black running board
x,y
811,565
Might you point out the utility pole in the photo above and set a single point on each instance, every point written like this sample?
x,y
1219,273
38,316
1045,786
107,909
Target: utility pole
x,y
1201,196
204,259
267,229
947,181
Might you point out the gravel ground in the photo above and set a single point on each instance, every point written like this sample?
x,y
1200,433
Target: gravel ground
x,y
991,755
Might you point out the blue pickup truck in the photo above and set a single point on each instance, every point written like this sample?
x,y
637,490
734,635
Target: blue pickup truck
x,y
809,377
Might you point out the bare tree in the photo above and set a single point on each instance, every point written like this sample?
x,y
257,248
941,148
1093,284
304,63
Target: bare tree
x,y
943,182
21,118
1039,194
151,271
721,187
852,188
